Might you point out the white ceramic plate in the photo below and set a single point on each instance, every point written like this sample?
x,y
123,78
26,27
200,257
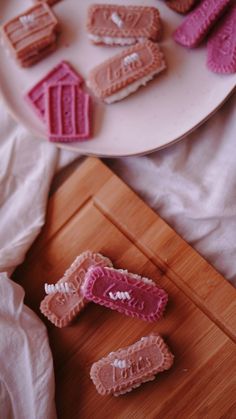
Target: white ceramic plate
x,y
164,111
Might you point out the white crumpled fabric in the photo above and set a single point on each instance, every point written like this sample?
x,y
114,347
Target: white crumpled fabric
x,y
191,184
27,166
26,373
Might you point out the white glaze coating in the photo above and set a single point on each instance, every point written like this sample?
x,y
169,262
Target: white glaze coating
x,y
53,288
27,20
119,363
116,19
119,295
131,58
113,40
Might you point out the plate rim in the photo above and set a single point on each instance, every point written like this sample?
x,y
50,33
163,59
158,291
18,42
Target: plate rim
x,y
79,149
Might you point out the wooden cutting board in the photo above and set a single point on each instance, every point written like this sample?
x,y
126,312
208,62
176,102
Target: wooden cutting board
x,y
95,210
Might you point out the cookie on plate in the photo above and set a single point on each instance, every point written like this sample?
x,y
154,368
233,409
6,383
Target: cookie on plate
x,y
62,73
198,22
125,72
68,112
31,35
122,25
221,46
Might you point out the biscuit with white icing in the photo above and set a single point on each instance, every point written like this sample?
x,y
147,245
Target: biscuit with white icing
x,y
125,72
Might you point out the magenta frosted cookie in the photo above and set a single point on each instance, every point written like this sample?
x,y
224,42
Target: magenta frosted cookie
x,y
68,113
63,72
221,47
198,23
125,292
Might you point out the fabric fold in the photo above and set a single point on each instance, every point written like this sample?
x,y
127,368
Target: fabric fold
x,y
26,373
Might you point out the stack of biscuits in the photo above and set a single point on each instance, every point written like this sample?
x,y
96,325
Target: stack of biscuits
x,y
31,35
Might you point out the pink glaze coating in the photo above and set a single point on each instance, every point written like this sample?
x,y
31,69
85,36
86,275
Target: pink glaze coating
x,y
221,47
68,111
63,72
141,299
197,24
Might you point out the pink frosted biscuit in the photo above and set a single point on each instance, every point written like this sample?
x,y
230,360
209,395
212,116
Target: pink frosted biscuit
x,y
68,111
125,292
127,368
181,6
198,23
63,72
62,307
221,47
31,34
125,72
124,25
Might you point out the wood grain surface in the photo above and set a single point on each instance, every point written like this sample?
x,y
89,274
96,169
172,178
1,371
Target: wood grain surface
x,y
95,210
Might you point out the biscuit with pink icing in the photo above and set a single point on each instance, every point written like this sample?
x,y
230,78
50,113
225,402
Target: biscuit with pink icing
x,y
125,292
61,308
68,112
221,47
128,368
125,72
62,73
198,23
123,25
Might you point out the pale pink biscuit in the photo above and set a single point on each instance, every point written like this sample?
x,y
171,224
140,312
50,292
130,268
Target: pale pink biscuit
x,y
62,73
30,33
125,292
125,25
221,47
128,368
68,112
125,72
62,308
181,6
198,23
